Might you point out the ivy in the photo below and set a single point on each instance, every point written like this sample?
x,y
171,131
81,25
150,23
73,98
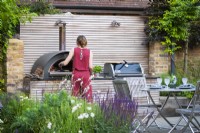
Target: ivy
x,y
10,16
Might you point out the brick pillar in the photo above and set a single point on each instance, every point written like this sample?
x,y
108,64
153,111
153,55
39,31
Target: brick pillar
x,y
15,65
158,60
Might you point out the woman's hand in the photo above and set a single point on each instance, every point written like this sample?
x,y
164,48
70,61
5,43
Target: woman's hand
x,y
61,64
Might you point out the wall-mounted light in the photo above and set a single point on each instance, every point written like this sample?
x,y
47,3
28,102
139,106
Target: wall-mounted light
x,y
114,23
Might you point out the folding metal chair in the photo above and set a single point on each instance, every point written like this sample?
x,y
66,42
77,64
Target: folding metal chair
x,y
122,91
188,114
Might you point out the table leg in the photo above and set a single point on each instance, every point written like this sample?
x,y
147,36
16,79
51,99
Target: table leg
x,y
159,110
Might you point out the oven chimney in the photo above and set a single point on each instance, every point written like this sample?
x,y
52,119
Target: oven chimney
x,y
62,33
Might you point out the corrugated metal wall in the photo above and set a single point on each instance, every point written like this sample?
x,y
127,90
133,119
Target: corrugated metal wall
x,y
109,44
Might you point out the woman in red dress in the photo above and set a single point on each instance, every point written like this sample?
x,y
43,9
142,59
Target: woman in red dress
x,y
82,69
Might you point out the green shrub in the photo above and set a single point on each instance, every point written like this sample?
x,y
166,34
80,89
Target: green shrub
x,y
97,69
43,7
13,106
61,113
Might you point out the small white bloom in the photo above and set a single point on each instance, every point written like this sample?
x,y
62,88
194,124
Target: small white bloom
x,y
1,121
79,104
74,109
80,116
92,115
49,125
68,82
89,108
86,115
80,131
72,101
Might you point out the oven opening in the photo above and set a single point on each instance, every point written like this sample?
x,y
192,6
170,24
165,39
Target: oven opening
x,y
55,70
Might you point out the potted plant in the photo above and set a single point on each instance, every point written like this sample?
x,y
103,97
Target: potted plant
x,y
97,69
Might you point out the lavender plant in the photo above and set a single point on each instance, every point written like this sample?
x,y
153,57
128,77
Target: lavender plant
x,y
117,115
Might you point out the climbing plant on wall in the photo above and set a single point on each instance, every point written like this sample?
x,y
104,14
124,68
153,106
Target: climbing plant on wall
x,y
10,16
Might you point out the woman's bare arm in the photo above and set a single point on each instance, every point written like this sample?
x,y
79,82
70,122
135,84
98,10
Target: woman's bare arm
x,y
91,62
69,57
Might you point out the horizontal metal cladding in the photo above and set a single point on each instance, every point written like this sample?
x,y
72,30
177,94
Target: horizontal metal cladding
x,y
108,43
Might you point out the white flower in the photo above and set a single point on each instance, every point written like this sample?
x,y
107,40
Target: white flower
x,y
49,125
1,121
68,82
80,116
92,115
86,115
74,109
72,101
80,131
79,104
89,108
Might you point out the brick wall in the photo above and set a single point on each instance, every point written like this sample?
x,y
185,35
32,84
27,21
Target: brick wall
x,y
193,54
15,65
158,60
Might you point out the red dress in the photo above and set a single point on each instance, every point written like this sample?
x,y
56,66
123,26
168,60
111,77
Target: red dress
x,y
81,82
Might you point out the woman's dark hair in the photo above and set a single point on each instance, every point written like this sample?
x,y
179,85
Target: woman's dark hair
x,y
81,41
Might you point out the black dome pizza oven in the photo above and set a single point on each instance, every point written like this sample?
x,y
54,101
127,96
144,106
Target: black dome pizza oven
x,y
46,66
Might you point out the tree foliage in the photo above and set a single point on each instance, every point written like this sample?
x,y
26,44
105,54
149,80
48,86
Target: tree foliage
x,y
43,7
171,21
10,16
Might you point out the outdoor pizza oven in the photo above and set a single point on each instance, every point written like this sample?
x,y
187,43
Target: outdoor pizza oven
x,y
46,66
120,70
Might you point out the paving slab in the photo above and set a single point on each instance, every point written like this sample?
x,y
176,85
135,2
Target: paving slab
x,y
160,121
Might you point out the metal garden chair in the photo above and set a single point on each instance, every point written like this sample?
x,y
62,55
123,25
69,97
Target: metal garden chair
x,y
122,91
189,114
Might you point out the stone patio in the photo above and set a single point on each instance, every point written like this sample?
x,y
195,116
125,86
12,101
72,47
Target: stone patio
x,y
164,124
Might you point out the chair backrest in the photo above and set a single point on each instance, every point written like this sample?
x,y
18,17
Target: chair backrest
x,y
121,88
196,97
136,84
